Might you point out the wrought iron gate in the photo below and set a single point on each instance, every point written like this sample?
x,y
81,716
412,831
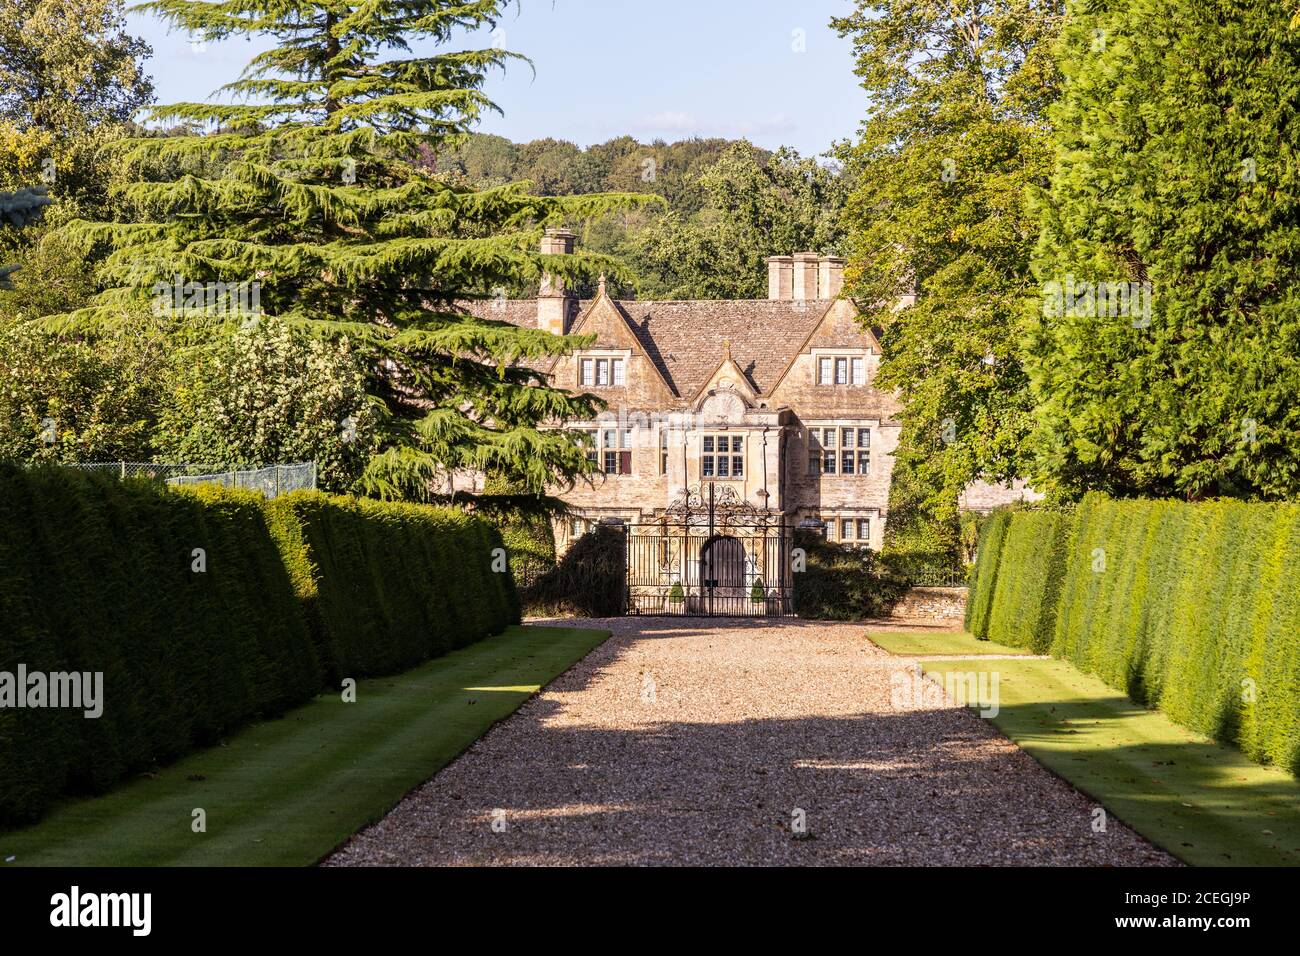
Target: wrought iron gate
x,y
711,553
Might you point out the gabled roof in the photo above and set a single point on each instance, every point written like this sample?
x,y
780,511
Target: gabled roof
x,y
685,339
609,312
873,337
726,369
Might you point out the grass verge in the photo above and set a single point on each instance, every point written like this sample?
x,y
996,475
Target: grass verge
x,y
914,643
287,791
1205,803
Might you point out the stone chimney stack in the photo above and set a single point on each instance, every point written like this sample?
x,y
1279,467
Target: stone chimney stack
x,y
805,276
780,278
553,299
830,277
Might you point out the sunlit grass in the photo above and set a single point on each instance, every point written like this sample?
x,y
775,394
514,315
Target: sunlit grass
x,y
1207,804
921,643
287,791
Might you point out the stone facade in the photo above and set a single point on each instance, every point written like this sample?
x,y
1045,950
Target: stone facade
x,y
774,398
984,496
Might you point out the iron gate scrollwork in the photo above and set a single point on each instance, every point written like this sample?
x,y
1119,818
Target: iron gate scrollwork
x,y
710,553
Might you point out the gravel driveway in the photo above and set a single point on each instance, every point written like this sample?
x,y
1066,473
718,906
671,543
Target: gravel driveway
x,y
695,741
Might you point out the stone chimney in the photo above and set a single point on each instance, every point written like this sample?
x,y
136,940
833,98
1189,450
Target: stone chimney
x,y
830,277
780,278
553,299
805,276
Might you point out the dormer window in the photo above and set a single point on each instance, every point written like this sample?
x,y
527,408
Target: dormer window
x,y
841,370
601,372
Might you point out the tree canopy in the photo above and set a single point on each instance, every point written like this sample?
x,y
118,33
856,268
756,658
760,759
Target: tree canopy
x,y
938,220
71,79
752,210
1166,339
730,205
305,199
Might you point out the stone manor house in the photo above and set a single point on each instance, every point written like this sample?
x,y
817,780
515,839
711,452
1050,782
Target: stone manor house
x,y
772,399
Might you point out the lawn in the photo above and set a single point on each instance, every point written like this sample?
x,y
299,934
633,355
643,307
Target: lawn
x,y
1205,803
914,643
287,791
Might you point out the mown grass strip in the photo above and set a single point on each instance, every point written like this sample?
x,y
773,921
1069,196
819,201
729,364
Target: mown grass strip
x,y
923,643
1208,804
287,791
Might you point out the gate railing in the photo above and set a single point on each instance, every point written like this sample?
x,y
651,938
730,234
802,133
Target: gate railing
x,y
711,555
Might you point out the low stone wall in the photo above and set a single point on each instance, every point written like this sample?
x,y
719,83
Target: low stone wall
x,y
932,604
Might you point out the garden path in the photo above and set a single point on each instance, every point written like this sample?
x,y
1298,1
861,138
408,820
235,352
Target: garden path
x,y
698,741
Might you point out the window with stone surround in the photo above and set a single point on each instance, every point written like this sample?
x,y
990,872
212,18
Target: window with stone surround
x,y
845,450
851,531
722,456
601,372
610,450
841,370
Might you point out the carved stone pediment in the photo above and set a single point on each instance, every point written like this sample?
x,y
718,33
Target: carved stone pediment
x,y
724,404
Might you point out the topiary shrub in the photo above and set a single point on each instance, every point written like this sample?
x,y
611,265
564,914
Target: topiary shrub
x,y
1022,612
1190,608
839,583
589,581
385,586
984,577
757,593
525,522
205,608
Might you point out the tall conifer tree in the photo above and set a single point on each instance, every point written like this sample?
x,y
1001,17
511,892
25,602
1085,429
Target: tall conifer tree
x,y
309,186
1166,357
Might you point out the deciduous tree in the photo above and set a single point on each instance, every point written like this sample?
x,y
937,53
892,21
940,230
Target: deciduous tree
x,y
954,134
270,393
71,79
752,210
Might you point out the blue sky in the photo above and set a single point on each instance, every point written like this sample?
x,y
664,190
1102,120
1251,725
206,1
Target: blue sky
x,y
648,68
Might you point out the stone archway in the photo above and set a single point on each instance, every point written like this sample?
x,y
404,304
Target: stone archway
x,y
722,566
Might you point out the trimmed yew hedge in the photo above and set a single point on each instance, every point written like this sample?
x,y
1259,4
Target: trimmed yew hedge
x,y
984,576
97,575
1031,566
1191,608
385,586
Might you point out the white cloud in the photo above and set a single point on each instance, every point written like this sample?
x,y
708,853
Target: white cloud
x,y
677,123
671,121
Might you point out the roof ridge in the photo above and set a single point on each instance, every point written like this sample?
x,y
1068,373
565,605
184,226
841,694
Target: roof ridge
x,y
534,298
711,301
